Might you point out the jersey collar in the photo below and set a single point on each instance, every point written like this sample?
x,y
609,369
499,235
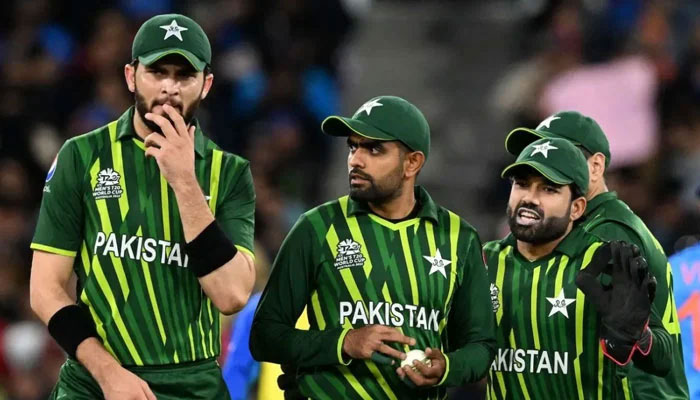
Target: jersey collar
x,y
428,208
597,201
125,129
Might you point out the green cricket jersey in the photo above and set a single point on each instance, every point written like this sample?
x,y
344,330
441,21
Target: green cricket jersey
x,y
108,206
352,268
548,342
609,218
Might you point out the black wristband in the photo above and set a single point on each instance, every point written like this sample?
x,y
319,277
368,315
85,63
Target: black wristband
x,y
209,250
70,326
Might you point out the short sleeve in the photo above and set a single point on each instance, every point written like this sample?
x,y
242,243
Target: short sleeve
x,y
60,224
236,212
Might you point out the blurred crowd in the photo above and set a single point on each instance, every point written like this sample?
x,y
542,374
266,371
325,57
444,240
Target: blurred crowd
x,y
632,65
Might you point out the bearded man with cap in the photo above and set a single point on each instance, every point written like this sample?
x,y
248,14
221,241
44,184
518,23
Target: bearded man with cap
x,y
610,218
383,270
157,223
571,310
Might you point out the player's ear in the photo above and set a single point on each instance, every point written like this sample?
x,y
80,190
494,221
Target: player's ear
x,y
130,77
596,167
578,207
413,163
208,81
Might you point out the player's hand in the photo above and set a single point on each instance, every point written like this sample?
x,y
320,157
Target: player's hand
x,y
370,342
624,305
122,384
427,375
174,150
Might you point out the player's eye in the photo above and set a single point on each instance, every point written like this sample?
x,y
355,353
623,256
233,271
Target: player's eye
x,y
551,189
376,149
352,147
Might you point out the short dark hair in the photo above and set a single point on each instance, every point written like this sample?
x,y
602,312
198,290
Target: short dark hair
x,y
576,192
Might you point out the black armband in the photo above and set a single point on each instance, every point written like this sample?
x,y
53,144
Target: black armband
x,y
209,250
70,326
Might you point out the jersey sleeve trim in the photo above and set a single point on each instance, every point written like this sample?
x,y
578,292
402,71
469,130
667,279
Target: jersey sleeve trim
x,y
245,250
447,370
53,250
339,350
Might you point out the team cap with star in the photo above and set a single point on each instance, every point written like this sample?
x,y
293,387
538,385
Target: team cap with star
x,y
582,130
384,118
167,34
557,159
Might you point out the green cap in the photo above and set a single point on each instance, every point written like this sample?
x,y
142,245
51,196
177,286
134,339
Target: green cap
x,y
556,159
384,118
571,125
171,34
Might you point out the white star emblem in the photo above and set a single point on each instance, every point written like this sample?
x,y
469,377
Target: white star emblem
x,y
543,148
368,106
547,121
559,304
173,30
437,264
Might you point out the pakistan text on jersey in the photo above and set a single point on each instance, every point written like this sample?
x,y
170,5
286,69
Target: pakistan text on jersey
x,y
389,314
532,361
140,248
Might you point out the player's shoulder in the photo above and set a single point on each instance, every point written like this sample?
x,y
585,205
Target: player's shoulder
x,y
447,219
86,146
496,246
329,210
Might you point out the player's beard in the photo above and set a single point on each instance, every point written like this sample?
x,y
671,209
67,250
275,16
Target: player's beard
x,y
378,192
546,230
143,107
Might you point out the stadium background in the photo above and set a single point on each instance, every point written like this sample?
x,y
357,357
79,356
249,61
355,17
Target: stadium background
x,y
476,68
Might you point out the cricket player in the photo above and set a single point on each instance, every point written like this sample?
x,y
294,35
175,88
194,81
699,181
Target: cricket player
x,y
157,223
609,218
382,271
686,266
554,340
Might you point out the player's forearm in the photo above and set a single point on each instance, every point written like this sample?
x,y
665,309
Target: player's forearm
x,y
194,210
469,363
279,343
229,286
48,291
95,358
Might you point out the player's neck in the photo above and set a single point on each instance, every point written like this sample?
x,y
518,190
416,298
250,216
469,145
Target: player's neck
x,y
533,252
140,126
398,207
595,190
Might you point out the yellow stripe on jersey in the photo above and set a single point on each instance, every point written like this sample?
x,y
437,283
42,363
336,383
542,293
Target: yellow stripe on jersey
x,y
53,250
118,165
533,306
216,158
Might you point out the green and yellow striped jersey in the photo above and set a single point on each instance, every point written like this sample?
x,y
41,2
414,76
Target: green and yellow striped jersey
x,y
351,268
609,218
547,334
108,206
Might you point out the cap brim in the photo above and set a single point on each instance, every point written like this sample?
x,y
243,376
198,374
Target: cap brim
x,y
544,170
341,126
520,138
154,56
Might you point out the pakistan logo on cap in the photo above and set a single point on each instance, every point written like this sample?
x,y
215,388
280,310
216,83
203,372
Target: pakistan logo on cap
x,y
543,149
173,30
349,255
368,106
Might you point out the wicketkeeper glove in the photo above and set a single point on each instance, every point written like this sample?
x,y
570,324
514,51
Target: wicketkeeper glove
x,y
624,305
